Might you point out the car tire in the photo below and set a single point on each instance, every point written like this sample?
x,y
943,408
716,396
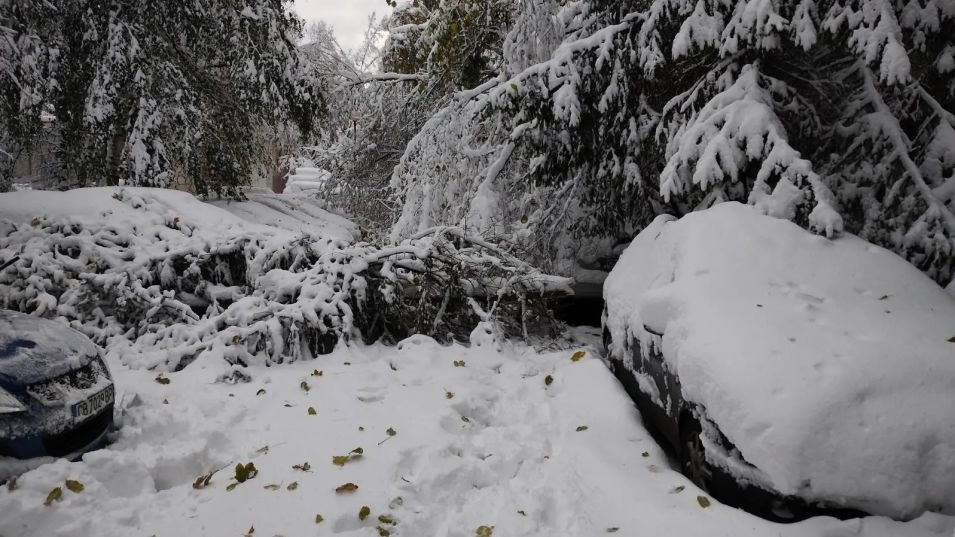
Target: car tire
x,y
693,462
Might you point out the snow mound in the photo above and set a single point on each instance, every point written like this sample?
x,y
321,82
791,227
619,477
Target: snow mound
x,y
826,362
307,179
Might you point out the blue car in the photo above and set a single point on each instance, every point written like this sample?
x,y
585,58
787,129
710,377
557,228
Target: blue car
x,y
56,393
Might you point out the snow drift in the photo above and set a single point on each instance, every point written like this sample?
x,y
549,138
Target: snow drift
x,y
826,362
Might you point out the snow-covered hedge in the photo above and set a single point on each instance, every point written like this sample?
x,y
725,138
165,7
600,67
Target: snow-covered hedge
x,y
174,279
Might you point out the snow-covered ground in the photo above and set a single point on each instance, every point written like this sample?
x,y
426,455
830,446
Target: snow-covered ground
x,y
484,442
296,212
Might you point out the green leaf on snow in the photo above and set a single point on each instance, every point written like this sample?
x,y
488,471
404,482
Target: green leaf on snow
x,y
55,495
244,472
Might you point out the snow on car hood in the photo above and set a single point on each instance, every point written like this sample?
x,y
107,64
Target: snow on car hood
x,y
826,362
34,349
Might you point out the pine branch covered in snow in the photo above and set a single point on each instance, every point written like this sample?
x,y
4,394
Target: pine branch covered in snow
x,y
835,114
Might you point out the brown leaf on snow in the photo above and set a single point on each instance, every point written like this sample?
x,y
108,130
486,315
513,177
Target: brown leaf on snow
x,y
347,487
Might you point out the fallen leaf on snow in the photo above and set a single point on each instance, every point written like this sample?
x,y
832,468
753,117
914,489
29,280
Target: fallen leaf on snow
x,y
347,487
55,495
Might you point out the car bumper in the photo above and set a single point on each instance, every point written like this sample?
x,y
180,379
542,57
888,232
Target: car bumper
x,y
70,444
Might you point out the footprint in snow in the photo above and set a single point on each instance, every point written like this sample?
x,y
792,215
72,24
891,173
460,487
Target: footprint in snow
x,y
370,395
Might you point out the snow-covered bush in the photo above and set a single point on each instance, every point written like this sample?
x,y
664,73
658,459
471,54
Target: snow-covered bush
x,y
176,279
835,114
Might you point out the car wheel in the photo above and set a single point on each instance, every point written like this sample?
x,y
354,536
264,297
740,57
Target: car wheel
x,y
692,454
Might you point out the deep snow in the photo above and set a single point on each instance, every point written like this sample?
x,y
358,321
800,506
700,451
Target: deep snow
x,y
826,362
503,451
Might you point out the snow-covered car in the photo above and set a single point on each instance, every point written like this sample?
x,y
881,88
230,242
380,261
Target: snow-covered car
x,y
819,373
56,392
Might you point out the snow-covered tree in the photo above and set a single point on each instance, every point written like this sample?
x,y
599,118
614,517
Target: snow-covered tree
x,y
834,113
370,117
143,92
433,49
458,43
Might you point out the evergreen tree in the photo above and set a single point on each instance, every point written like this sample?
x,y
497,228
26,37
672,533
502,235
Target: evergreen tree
x,y
458,43
143,92
837,114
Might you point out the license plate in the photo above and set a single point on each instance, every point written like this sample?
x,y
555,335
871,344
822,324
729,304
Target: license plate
x,y
93,404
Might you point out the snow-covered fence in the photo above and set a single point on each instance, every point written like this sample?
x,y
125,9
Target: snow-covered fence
x,y
162,285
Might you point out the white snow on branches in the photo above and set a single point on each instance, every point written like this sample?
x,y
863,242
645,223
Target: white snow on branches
x,y
735,129
164,279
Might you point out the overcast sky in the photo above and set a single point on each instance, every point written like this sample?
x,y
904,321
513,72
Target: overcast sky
x,y
348,17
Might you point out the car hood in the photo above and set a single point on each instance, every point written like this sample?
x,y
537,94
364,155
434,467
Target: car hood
x,y
34,349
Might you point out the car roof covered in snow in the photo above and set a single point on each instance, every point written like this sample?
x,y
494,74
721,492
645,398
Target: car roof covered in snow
x,y
827,363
